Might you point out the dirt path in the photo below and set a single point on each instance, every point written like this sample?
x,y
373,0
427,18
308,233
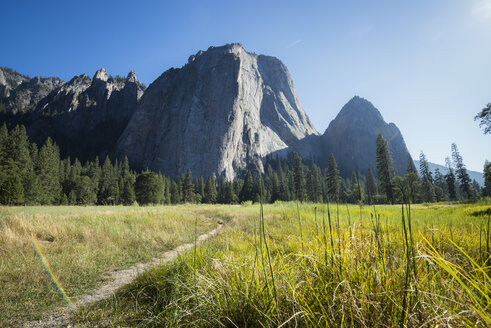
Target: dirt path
x,y
61,318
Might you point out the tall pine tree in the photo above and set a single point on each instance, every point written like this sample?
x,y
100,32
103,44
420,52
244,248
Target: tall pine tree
x,y
462,175
384,167
332,180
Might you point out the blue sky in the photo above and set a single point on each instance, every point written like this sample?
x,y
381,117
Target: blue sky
x,y
426,65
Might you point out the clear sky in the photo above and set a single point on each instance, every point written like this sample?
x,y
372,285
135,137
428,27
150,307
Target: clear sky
x,y
425,64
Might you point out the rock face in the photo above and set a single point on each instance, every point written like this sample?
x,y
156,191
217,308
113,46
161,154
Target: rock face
x,y
222,112
84,117
352,136
20,94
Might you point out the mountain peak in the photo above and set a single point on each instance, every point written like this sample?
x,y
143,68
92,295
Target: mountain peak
x,y
131,77
101,75
357,125
244,104
360,107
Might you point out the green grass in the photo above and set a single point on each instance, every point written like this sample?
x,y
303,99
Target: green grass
x,y
81,244
357,269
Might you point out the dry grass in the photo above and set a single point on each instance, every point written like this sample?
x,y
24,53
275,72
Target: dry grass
x,y
81,244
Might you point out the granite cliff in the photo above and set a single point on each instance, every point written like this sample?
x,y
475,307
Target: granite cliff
x,y
84,116
222,112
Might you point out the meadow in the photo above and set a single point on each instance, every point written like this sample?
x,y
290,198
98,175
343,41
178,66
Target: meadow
x,y
81,245
281,265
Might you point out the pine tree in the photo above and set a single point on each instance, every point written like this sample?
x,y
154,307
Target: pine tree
x,y
371,186
108,187
175,193
149,188
356,190
450,180
47,169
485,118
462,175
199,188
83,190
229,196
167,192
247,190
487,178
333,180
314,191
384,167
428,192
188,187
128,196
299,184
210,195
441,192
11,190
18,151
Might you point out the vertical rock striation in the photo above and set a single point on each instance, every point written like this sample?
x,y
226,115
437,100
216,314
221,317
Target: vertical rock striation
x,y
222,112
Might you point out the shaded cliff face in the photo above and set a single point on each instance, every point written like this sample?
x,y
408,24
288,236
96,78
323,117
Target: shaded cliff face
x,y
222,112
84,116
20,94
352,136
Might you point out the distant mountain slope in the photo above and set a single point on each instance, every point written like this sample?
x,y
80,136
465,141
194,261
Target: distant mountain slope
x,y
352,136
478,176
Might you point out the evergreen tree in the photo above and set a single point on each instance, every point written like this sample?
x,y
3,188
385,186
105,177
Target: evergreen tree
x,y
356,190
167,192
83,191
149,188
175,193
17,150
298,178
332,180
462,175
441,192
384,167
247,190
314,191
450,180
128,196
229,196
485,118
108,185
427,190
487,179
199,188
4,134
210,195
371,186
11,190
47,169
188,187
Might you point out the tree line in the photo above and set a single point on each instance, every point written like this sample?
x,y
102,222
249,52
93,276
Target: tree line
x,y
30,175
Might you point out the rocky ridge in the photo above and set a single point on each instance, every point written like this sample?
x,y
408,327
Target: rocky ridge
x,y
222,112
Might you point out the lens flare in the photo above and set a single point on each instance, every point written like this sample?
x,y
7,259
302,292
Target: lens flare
x,y
48,269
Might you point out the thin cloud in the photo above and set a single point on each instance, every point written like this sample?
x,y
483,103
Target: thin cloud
x,y
482,9
294,43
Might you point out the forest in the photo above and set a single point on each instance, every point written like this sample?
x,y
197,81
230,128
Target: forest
x,y
30,175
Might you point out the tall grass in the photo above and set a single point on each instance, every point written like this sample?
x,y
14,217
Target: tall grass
x,y
81,244
395,275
